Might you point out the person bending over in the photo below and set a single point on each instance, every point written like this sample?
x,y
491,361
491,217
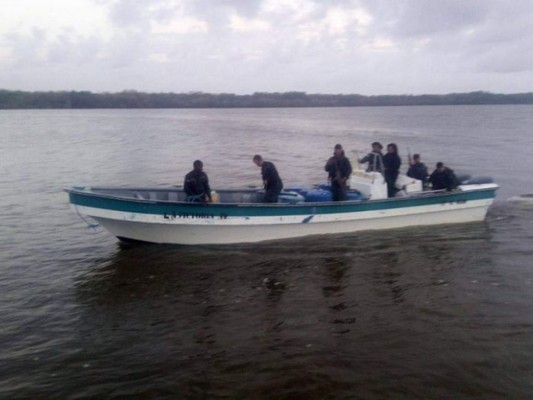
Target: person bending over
x,y
271,180
443,178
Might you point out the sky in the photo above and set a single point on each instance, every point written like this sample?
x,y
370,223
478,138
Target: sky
x,y
369,47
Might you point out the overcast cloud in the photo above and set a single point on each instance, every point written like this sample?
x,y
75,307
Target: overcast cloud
x,y
245,46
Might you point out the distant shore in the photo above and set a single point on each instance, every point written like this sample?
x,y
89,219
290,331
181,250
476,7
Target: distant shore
x,y
13,99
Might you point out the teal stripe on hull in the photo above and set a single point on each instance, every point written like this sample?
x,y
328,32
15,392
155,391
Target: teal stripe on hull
x,y
95,200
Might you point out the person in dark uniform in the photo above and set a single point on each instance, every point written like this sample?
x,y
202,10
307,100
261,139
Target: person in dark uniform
x,y
374,158
339,170
271,180
391,163
443,178
418,169
196,184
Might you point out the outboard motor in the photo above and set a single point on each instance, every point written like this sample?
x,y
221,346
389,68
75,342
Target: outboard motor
x,y
477,180
462,178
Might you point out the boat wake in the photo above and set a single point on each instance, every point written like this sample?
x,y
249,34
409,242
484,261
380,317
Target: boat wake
x,y
526,199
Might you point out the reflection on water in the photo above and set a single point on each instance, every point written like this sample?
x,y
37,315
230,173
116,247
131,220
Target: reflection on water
x,y
253,320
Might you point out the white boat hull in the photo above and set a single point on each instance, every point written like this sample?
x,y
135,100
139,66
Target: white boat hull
x,y
193,230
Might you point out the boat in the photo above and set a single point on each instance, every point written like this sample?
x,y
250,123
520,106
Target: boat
x,y
163,215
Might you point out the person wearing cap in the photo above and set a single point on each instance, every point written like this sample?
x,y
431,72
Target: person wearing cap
x,y
271,180
196,184
443,178
339,170
374,158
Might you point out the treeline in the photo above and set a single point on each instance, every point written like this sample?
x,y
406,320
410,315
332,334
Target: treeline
x,y
132,99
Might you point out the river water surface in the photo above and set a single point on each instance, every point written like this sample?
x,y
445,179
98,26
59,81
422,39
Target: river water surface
x,y
429,313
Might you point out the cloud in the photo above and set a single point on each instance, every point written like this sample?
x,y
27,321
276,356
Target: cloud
x,y
131,13
430,18
240,24
242,46
180,26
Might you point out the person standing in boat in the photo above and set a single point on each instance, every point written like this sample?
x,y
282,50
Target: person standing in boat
x,y
374,158
391,163
339,170
418,169
196,184
443,178
271,180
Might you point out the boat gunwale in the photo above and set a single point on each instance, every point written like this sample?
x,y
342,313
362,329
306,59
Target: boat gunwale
x,y
89,192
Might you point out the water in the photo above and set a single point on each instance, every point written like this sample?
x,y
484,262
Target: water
x,y
440,312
